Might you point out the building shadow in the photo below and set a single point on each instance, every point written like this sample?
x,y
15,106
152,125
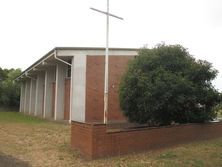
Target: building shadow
x,y
9,161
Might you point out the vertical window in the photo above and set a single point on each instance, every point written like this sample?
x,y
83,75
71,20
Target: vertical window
x,y
68,73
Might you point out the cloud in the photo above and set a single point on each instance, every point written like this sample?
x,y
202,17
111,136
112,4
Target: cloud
x,y
215,12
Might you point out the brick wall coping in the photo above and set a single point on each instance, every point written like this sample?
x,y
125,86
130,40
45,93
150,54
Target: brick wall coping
x,y
90,123
142,127
160,127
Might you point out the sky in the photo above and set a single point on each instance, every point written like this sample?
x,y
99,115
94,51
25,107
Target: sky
x,y
30,28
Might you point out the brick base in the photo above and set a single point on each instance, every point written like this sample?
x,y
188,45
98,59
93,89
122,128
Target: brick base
x,y
95,140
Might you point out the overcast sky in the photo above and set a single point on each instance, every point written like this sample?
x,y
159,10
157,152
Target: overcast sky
x,y
30,28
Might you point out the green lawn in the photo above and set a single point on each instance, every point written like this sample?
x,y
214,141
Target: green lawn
x,y
16,117
42,143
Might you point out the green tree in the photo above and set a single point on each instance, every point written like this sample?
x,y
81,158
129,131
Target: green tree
x,y
9,89
166,84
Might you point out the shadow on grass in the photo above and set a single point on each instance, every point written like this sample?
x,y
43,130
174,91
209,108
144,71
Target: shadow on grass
x,y
9,161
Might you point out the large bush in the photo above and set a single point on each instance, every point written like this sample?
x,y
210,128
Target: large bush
x,y
9,89
166,84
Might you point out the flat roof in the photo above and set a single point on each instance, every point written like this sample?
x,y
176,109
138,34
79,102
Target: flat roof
x,y
72,48
94,48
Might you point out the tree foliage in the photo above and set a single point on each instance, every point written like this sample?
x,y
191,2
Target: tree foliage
x,y
9,89
166,84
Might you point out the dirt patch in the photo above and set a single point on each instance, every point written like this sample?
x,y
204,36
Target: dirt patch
x,y
27,141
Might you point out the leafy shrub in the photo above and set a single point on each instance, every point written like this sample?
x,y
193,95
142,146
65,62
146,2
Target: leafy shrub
x,y
166,84
9,89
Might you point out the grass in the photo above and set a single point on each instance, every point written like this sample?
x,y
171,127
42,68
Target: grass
x,y
47,144
16,117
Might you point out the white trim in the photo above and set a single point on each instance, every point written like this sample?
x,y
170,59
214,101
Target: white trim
x,y
96,52
35,66
55,56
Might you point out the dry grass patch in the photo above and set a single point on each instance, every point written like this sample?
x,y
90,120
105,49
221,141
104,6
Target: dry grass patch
x,y
47,144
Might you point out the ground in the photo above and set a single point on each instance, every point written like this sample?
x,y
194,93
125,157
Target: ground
x,y
27,141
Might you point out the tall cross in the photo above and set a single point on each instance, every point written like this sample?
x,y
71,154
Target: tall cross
x,y
106,84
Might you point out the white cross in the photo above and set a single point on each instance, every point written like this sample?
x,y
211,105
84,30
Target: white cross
x,y
106,88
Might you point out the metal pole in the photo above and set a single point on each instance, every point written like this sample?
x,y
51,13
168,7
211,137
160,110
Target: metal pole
x,y
106,78
106,86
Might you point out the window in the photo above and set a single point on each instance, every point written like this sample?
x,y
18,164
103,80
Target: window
x,y
68,72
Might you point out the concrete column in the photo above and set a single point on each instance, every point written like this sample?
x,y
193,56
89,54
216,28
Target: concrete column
x,y
32,96
78,88
39,93
49,78
59,90
27,96
22,97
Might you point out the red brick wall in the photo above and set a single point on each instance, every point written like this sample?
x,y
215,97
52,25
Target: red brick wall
x,y
67,99
81,138
95,87
95,141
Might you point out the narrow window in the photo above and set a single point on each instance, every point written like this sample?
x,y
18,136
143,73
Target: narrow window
x,y
68,73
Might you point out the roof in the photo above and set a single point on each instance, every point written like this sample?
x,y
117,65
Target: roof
x,y
71,48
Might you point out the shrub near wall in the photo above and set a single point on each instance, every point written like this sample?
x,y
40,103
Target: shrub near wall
x,y
166,84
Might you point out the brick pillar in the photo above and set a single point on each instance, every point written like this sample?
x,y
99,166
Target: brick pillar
x,y
67,99
90,139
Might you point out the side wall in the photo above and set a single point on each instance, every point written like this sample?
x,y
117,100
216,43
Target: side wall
x,y
95,87
94,141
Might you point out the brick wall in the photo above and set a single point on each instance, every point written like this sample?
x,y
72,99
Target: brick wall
x,y
94,140
81,138
95,87
67,99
